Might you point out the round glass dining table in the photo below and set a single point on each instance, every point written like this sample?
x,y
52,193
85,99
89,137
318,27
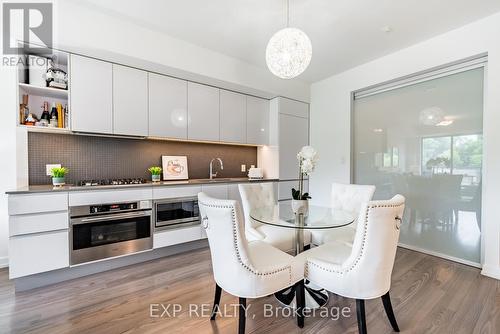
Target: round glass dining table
x,y
316,218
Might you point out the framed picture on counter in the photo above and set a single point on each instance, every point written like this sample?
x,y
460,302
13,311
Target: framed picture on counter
x,y
175,167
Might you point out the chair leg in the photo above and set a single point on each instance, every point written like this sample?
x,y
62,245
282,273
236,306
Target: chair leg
x,y
242,315
215,309
360,312
300,301
386,300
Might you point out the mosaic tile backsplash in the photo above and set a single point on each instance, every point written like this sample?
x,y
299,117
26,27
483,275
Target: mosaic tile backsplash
x,y
91,157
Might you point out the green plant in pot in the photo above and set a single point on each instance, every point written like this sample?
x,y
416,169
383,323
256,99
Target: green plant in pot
x,y
59,175
155,173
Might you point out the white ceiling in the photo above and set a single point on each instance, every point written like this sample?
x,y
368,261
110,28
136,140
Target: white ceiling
x,y
344,33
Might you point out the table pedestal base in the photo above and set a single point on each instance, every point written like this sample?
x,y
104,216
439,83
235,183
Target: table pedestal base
x,y
315,297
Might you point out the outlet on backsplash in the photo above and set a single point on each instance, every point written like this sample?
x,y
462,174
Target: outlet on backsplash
x,y
243,168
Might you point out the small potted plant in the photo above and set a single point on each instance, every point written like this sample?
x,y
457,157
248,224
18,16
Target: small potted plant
x,y
58,176
155,173
308,157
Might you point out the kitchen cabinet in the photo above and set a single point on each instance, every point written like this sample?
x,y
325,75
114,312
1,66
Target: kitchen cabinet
x,y
219,191
203,112
37,203
294,108
177,236
257,119
293,135
167,107
130,101
38,222
35,253
233,110
91,99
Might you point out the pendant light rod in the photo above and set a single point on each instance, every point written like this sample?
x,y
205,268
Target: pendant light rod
x,y
287,13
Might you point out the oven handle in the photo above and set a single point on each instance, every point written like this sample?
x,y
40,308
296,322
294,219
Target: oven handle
x,y
111,217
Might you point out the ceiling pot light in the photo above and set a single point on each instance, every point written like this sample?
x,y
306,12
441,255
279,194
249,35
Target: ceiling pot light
x,y
288,52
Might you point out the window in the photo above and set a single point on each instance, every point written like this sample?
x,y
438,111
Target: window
x,y
458,155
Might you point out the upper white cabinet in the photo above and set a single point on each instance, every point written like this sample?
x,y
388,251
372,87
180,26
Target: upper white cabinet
x,y
91,95
233,110
130,101
108,98
167,107
203,112
294,108
257,121
293,135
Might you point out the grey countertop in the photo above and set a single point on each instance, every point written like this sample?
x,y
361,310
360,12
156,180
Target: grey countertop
x,y
50,188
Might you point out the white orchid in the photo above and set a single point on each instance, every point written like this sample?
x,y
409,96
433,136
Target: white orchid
x,y
308,157
307,167
308,153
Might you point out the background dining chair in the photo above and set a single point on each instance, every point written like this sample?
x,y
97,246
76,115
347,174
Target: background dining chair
x,y
364,270
261,196
345,197
245,269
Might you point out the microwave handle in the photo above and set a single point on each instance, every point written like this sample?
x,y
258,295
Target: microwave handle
x,y
112,217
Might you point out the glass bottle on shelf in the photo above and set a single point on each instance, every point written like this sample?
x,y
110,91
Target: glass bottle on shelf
x,y
45,119
53,116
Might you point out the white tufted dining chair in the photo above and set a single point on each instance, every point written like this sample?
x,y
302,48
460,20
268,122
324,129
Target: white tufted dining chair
x,y
245,269
364,270
345,197
261,195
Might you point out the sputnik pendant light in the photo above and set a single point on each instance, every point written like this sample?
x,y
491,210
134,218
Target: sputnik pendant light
x,y
289,51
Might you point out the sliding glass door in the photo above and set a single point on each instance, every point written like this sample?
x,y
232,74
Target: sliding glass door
x,y
424,140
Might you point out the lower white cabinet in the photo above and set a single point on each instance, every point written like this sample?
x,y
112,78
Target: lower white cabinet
x,y
176,236
36,253
38,222
218,191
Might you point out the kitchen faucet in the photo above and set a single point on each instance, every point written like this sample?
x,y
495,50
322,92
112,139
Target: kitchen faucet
x,y
212,174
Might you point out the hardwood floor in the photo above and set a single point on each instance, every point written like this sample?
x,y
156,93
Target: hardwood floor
x,y
429,295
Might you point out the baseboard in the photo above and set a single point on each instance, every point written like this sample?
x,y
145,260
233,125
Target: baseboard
x,y
4,262
441,255
491,271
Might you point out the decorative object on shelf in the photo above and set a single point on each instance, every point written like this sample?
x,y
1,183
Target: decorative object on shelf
x,y
174,167
55,77
155,173
24,111
308,157
58,176
289,51
37,69
30,120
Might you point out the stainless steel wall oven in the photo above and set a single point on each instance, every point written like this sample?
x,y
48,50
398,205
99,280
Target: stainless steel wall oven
x,y
109,230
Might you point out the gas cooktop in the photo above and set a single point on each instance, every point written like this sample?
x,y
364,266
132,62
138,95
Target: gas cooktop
x,y
110,182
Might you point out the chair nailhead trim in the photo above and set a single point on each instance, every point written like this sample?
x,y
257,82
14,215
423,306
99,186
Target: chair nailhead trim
x,y
235,244
365,228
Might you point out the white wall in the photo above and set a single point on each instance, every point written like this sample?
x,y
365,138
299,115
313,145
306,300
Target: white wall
x,y
330,114
8,107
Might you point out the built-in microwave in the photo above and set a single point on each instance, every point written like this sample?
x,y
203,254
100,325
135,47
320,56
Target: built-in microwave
x,y
176,212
